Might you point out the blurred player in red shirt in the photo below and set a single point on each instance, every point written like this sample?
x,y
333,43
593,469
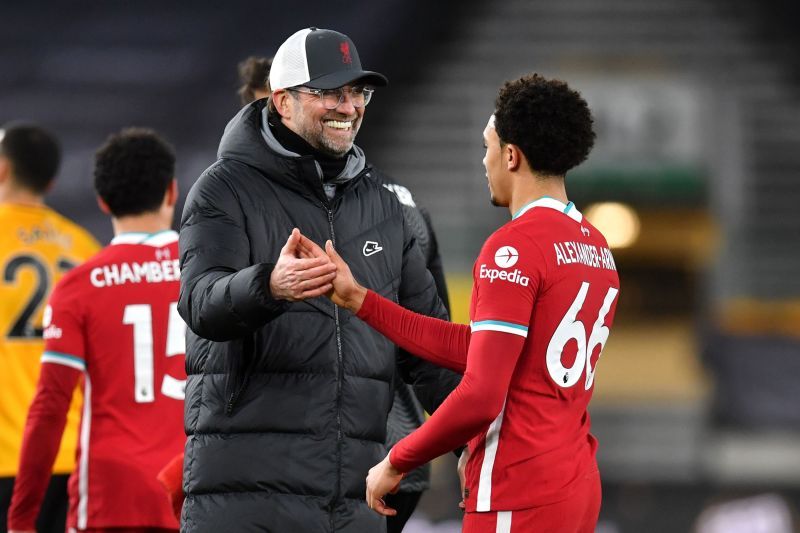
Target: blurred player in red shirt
x,y
544,296
112,323
37,247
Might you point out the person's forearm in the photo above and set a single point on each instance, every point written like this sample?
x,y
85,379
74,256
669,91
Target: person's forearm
x,y
473,405
223,306
223,295
43,430
438,341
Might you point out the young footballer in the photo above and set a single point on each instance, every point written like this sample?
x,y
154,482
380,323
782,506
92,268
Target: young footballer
x,y
544,296
112,324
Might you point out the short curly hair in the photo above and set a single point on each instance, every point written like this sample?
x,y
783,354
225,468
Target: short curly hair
x,y
547,120
133,170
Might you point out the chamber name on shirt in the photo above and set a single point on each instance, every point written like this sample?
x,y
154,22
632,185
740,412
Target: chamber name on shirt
x,y
146,272
570,252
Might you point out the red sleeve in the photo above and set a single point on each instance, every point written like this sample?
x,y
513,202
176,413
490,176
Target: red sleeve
x,y
43,430
471,407
438,341
171,478
506,280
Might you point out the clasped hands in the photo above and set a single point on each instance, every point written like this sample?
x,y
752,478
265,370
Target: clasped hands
x,y
304,270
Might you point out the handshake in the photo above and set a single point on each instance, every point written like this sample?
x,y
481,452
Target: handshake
x,y
304,270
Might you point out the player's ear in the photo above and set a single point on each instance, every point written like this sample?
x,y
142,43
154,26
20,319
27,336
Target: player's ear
x,y
171,195
513,156
103,206
280,100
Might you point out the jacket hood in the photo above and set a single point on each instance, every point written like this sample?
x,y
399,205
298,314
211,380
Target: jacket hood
x,y
247,138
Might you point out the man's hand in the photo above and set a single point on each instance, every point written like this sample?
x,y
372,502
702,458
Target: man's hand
x,y
383,478
347,292
462,475
302,271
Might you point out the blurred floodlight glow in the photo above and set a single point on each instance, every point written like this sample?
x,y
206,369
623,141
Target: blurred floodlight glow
x,y
618,222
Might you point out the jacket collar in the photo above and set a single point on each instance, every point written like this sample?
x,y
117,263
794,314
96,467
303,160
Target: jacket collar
x,y
248,139
158,239
568,209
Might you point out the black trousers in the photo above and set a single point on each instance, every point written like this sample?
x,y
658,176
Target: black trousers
x,y
52,516
404,503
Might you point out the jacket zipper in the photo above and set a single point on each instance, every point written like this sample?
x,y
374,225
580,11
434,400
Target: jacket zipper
x,y
339,378
234,397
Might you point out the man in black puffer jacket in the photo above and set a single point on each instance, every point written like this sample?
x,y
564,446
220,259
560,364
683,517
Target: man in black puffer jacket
x,y
407,413
286,400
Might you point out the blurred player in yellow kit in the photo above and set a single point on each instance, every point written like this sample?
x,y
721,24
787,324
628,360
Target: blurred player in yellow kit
x,y
37,247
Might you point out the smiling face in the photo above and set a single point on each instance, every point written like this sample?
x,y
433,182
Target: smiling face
x,y
495,168
331,131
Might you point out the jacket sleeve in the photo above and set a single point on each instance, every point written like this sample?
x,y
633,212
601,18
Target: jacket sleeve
x,y
418,292
441,342
223,296
476,402
434,262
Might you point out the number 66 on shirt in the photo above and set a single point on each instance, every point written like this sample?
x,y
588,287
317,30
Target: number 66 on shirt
x,y
570,328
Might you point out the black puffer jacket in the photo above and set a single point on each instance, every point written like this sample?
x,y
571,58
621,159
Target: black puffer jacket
x,y
286,403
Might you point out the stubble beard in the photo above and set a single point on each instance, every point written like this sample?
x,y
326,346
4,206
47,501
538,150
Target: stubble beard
x,y
332,147
337,148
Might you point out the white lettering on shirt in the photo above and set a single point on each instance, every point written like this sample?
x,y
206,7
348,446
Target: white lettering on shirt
x,y
147,272
583,253
52,332
514,276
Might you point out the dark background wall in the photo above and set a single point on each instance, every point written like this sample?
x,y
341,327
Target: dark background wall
x,y
88,68
697,107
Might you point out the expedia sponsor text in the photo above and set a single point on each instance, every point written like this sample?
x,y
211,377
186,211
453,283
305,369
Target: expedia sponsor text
x,y
513,276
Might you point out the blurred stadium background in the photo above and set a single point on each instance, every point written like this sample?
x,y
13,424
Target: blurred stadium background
x,y
694,177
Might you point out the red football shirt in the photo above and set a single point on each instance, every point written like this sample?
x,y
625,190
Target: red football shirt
x,y
548,276
544,296
113,322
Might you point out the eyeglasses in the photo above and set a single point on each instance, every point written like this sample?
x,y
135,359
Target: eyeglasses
x,y
331,98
